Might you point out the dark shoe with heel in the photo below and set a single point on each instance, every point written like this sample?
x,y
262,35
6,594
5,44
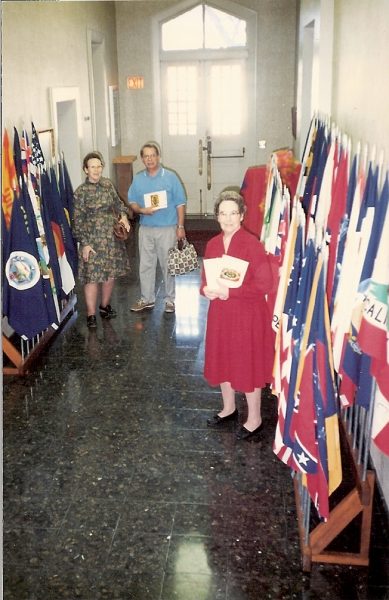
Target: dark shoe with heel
x,y
91,322
107,312
245,434
217,421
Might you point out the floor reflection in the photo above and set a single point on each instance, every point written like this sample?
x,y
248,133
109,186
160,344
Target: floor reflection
x,y
114,488
187,308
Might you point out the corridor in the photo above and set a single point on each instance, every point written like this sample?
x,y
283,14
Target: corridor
x,y
114,488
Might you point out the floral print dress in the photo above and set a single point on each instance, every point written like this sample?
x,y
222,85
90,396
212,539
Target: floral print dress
x,y
93,218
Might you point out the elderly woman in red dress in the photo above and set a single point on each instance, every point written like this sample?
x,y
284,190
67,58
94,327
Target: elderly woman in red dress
x,y
239,342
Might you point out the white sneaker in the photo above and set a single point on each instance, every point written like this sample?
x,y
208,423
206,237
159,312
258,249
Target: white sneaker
x,y
142,305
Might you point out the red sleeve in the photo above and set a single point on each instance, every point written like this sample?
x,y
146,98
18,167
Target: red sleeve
x,y
259,276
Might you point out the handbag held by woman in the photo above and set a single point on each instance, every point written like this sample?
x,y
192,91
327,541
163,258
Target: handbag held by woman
x,y
119,229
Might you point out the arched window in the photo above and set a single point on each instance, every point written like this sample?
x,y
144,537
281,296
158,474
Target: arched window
x,y
203,27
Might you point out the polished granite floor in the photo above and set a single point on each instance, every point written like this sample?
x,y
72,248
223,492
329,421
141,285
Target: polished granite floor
x,y
115,489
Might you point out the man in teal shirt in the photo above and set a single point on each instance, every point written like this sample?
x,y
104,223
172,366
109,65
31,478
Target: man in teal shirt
x,y
158,196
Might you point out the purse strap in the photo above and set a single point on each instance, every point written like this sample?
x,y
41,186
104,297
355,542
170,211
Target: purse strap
x,y
183,242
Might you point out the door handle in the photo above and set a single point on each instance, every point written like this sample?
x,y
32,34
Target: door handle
x,y
201,157
209,172
208,148
209,168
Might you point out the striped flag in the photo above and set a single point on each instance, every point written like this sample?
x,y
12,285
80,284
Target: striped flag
x,y
356,381
373,336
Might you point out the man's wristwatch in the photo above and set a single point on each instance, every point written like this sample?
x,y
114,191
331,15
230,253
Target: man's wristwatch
x,y
180,227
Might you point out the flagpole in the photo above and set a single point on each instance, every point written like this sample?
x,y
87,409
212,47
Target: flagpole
x,y
369,429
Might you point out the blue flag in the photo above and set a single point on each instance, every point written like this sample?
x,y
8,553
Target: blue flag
x,y
65,189
357,380
24,300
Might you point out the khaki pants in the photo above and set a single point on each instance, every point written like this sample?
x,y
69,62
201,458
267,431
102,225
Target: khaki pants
x,y
154,244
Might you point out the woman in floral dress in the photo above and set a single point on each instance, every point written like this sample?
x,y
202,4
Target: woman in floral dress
x,y
101,256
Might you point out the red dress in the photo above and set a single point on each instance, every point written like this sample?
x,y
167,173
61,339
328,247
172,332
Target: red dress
x,y
239,341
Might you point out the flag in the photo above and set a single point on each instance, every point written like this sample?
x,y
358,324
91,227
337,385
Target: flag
x,y
325,199
373,333
307,158
275,209
282,324
316,444
342,236
315,176
26,153
288,349
61,235
37,157
9,183
297,306
380,427
373,336
253,190
356,379
336,215
24,301
65,190
347,285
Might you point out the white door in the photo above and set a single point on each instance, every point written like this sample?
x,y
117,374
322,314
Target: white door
x,y
66,119
205,129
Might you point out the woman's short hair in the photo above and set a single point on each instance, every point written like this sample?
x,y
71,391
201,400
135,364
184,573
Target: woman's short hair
x,y
94,154
151,144
234,197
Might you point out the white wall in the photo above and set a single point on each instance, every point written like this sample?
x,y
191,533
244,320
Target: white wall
x,y
360,88
275,75
352,54
314,64
44,44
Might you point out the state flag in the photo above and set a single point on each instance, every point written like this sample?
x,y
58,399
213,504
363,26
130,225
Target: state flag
x,y
24,300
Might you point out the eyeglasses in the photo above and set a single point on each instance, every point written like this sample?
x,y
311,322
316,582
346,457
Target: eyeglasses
x,y
234,213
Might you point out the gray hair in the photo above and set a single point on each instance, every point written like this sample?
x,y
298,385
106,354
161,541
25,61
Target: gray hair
x,y
234,197
151,144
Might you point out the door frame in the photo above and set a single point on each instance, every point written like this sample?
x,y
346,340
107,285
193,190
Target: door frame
x,y
67,125
98,92
235,9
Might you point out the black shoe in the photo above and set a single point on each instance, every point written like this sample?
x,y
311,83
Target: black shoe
x,y
217,421
245,434
108,312
91,322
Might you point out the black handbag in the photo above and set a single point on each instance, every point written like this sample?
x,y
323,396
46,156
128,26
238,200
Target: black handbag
x,y
182,260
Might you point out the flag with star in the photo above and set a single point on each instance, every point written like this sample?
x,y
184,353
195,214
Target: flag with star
x,y
283,326
37,157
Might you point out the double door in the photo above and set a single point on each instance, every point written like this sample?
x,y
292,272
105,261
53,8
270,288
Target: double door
x,y
205,127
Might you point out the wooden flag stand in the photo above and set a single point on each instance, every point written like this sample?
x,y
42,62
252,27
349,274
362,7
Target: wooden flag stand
x,y
23,362
357,501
